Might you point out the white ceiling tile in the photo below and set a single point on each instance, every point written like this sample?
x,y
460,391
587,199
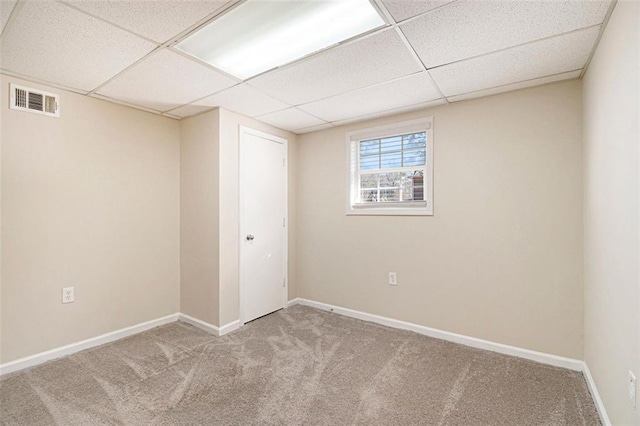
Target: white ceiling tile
x,y
394,94
290,119
516,86
551,56
6,6
164,81
403,9
68,47
315,128
242,99
119,102
375,59
158,20
468,28
189,110
401,110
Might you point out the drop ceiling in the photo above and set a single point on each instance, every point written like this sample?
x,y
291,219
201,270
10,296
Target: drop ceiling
x,y
430,52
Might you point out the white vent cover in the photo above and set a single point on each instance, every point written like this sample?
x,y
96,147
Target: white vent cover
x,y
33,100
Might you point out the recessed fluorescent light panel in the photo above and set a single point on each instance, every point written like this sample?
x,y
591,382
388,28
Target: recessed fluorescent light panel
x,y
260,35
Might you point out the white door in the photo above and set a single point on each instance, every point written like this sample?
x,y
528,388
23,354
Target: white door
x,y
263,227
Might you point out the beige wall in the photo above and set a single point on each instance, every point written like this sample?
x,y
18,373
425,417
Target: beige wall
x,y
611,137
1,179
90,200
501,259
229,209
199,211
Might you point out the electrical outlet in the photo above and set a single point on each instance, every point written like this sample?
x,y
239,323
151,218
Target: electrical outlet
x,y
632,388
393,278
68,295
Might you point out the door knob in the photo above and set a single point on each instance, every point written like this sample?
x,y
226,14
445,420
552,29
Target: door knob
x,y
250,237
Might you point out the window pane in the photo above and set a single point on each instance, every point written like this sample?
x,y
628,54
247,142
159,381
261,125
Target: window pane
x,y
369,180
390,195
394,187
369,147
412,186
369,162
418,193
414,158
391,144
390,179
415,140
393,159
369,196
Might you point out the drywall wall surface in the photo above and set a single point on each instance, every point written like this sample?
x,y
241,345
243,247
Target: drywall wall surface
x,y
89,200
229,232
199,210
500,259
1,137
611,136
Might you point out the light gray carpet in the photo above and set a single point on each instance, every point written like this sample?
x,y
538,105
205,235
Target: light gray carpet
x,y
294,367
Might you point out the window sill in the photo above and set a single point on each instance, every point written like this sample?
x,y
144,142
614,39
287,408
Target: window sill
x,y
389,211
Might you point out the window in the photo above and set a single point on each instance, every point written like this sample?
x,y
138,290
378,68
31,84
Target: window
x,y
391,169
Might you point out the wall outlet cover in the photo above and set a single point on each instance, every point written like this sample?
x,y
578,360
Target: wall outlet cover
x,y
393,278
68,295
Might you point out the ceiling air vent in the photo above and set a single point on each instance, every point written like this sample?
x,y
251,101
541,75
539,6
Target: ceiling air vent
x,y
33,100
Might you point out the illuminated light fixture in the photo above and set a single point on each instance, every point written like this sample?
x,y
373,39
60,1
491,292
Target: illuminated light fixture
x,y
260,35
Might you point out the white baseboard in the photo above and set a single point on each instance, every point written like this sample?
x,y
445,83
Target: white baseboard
x,y
292,302
42,357
544,358
228,328
572,364
591,384
202,325
213,329
72,348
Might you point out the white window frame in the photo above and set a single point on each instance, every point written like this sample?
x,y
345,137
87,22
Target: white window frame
x,y
353,207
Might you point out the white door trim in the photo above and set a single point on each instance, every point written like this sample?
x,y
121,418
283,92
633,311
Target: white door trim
x,y
244,130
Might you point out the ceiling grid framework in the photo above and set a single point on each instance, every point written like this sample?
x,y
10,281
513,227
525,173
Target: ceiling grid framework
x,y
429,52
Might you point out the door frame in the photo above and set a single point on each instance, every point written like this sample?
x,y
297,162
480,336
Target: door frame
x,y
243,131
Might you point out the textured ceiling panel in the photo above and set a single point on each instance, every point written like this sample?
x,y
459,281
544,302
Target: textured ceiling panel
x,y
55,43
543,58
403,9
164,81
473,47
469,28
157,20
408,108
189,110
290,119
375,59
405,91
6,6
516,86
315,128
242,99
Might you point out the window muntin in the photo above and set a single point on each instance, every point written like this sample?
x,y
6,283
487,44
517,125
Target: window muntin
x,y
391,169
